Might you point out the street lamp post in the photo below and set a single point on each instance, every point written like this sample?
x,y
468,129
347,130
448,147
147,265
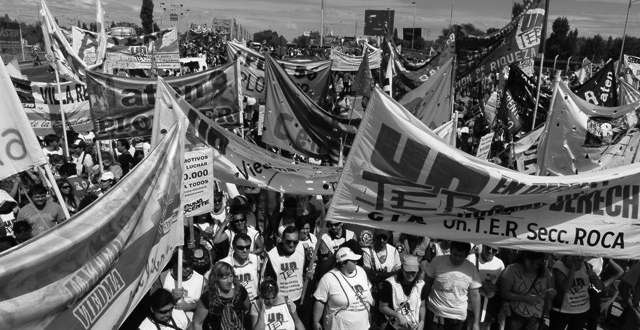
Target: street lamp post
x,y
321,23
413,27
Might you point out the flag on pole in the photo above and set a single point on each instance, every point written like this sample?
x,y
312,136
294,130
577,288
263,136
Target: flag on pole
x,y
102,35
388,76
364,79
19,147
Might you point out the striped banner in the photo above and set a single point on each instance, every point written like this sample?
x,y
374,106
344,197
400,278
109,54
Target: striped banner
x,y
91,271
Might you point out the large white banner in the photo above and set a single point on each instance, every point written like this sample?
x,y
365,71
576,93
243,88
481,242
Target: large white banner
x,y
399,176
19,147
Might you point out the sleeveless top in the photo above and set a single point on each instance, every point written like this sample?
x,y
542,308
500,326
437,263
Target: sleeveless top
x,y
409,306
278,317
289,270
576,298
247,274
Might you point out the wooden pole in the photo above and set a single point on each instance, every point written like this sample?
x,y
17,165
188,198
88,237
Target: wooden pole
x,y
54,185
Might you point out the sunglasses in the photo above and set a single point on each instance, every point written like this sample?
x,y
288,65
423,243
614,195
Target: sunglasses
x,y
65,187
334,225
290,242
242,247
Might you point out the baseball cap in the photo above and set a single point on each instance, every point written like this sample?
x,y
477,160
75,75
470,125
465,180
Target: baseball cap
x,y
107,175
345,253
410,264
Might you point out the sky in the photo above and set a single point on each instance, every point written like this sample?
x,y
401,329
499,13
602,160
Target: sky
x,y
292,17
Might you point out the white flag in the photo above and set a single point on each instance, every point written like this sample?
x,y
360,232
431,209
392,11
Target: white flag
x,y
19,147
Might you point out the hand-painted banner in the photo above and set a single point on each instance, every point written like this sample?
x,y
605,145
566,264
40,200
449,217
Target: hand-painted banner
x,y
346,62
86,45
295,123
59,53
628,94
158,50
123,107
198,182
19,147
399,176
91,271
311,77
582,137
447,131
432,102
41,103
602,88
518,41
484,147
240,162
523,90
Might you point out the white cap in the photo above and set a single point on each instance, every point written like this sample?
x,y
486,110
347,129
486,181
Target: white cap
x,y
345,253
107,175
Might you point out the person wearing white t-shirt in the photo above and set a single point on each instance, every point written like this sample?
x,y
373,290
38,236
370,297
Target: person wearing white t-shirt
x,y
343,295
452,283
162,313
238,213
245,265
490,267
193,285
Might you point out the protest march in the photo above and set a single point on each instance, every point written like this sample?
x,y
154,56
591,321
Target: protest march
x,y
187,176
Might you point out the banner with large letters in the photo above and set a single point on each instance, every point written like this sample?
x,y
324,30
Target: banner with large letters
x,y
602,88
123,107
632,63
518,41
582,137
347,62
42,102
311,77
91,271
399,176
295,123
240,162
432,102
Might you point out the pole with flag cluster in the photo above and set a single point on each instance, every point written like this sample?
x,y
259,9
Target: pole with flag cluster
x,y
541,49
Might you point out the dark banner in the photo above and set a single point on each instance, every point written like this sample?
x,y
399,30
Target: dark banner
x,y
123,107
523,89
378,22
602,88
479,56
409,34
295,123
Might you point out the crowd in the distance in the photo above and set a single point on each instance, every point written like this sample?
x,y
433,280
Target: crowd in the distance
x,y
293,270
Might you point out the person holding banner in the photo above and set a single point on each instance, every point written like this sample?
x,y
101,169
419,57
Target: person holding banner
x,y
193,284
524,287
162,313
238,211
400,296
42,212
452,282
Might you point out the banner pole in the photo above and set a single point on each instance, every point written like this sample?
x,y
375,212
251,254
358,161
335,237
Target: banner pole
x,y
535,109
54,185
99,152
179,273
624,36
65,147
239,93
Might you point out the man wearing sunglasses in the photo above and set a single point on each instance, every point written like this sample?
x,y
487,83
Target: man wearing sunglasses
x,y
245,264
238,212
286,265
335,237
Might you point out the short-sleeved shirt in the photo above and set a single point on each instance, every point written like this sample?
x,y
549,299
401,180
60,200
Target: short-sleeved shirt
x,y
41,219
526,284
451,285
344,309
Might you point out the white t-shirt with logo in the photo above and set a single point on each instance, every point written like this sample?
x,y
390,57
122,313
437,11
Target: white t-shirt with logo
x,y
193,285
576,299
344,310
246,274
451,285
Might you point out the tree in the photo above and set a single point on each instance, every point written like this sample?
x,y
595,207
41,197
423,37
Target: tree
x,y
560,42
270,37
302,41
146,16
84,26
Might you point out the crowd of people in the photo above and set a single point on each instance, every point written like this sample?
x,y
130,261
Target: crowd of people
x,y
28,206
294,270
